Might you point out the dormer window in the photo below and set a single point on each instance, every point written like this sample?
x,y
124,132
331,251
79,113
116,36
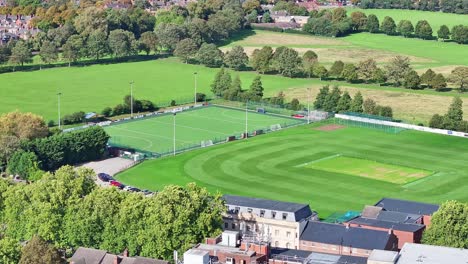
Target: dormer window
x,y
273,214
285,216
249,210
262,213
236,210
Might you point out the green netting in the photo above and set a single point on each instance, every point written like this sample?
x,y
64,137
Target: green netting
x,y
340,217
383,118
354,123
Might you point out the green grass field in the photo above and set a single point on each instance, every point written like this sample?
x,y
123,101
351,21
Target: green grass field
x,y
268,166
436,19
192,127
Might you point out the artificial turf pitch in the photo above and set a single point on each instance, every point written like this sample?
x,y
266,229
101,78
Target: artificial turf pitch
x,y
156,134
268,166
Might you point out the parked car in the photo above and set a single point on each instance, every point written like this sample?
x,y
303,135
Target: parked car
x,y
133,189
116,184
104,177
127,188
147,192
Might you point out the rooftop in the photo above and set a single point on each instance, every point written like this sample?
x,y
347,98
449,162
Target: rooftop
x,y
410,207
263,203
383,255
301,256
337,234
427,254
408,227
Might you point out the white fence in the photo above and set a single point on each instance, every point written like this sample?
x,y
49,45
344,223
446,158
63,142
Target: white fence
x,y
403,125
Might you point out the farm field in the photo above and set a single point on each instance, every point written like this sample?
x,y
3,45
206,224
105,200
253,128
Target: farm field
x,y
435,19
268,166
156,134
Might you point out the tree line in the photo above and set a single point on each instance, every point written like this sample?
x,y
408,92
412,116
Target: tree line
x,y
336,23
446,6
453,119
68,210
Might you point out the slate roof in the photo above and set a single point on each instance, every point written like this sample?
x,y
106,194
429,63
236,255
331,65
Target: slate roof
x,y
264,204
398,217
390,204
336,234
294,255
408,227
88,255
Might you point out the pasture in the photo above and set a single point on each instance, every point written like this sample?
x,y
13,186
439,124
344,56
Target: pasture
x,y
156,134
269,166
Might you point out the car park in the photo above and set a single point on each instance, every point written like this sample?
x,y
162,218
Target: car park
x,y
117,184
104,177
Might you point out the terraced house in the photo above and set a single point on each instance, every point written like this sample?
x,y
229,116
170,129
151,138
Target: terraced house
x,y
281,223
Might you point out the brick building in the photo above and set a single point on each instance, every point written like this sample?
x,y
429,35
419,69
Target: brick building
x,y
294,256
409,207
344,239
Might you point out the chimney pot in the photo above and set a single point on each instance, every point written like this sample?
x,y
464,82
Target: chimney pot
x,y
125,253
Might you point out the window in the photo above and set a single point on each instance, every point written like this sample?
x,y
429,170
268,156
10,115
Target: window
x,y
273,214
287,245
262,213
249,210
288,234
230,260
236,210
296,234
276,232
233,225
226,225
285,216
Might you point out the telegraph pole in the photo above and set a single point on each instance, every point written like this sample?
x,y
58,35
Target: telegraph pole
x,y
59,117
174,143
308,105
195,101
131,98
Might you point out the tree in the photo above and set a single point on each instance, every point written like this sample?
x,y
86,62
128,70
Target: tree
x,y
455,111
379,76
436,121
412,80
97,45
261,59
349,73
443,33
148,42
73,49
372,24
309,59
5,53
251,5
320,71
40,252
210,56
359,21
169,35
366,69
423,30
89,20
344,103
186,49
256,89
336,69
20,54
427,77
460,34
370,107
459,77
24,126
438,82
24,164
405,27
321,97
287,62
48,52
397,69
356,104
332,99
266,18
221,83
234,92
386,111
449,226
10,250
388,26
236,58
122,43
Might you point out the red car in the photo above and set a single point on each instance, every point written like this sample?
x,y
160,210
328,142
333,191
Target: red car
x,y
116,184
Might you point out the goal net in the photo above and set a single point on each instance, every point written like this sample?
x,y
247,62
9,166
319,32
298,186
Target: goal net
x,y
275,127
206,143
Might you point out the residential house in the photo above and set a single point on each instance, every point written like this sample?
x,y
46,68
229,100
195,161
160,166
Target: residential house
x,y
281,223
95,256
407,227
294,256
345,239
409,207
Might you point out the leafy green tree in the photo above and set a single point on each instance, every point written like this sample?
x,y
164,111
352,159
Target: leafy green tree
x,y
122,43
455,111
349,73
427,77
235,90
24,164
169,35
5,53
10,250
89,20
423,30
436,121
366,69
210,56
256,89
321,97
370,107
344,103
295,104
39,251
460,34
438,82
332,99
309,59
388,26
336,69
261,59
148,42
236,58
372,24
266,18
186,49
73,49
20,54
222,82
169,17
356,103
405,28
379,76
359,21
97,45
251,5
449,226
320,71
397,70
338,14
459,77
288,62
412,80
386,111
224,23
443,33
107,112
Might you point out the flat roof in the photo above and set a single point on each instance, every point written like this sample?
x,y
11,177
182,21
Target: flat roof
x,y
408,227
383,255
263,203
426,254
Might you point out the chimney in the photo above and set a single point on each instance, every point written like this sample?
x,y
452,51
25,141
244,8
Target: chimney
x,y
390,231
347,225
116,260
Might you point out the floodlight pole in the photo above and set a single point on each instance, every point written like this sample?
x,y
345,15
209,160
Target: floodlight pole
x,y
174,133
59,117
195,101
308,105
246,121
131,98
